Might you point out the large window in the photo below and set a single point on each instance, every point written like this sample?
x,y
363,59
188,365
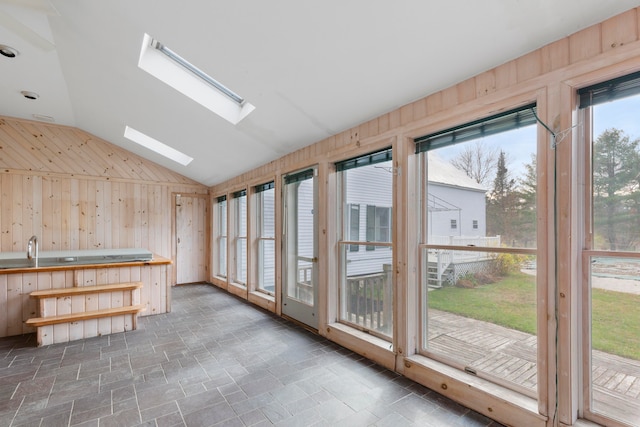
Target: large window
x,y
366,288
266,235
221,237
478,256
240,237
611,255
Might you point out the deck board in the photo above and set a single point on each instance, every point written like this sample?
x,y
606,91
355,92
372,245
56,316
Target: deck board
x,y
508,355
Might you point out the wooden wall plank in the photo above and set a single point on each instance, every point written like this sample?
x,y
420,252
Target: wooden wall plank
x,y
29,284
585,44
4,301
620,30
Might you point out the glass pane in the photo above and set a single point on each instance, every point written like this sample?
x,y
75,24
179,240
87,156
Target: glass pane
x,y
240,205
241,261
266,265
479,308
479,312
221,230
366,294
266,248
616,175
300,285
615,337
366,290
483,192
222,257
241,216
222,218
614,281
266,220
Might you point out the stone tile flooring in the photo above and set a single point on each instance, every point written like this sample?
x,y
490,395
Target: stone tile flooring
x,y
214,360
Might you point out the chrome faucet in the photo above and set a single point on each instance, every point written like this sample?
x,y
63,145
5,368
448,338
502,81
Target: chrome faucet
x,y
32,245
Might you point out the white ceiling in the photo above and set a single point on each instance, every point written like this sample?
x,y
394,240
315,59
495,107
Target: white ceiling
x,y
311,69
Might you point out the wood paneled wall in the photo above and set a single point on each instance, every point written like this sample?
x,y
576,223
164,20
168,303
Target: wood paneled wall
x,y
75,191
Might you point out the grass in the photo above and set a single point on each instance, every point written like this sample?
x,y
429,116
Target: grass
x,y
511,302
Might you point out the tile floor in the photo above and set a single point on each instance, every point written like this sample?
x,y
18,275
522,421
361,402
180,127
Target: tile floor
x,y
215,360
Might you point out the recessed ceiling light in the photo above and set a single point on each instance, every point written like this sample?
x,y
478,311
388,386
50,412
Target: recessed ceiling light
x,y
166,65
8,51
30,95
156,146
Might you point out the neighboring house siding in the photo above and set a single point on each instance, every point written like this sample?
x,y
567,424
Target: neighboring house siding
x,y
470,204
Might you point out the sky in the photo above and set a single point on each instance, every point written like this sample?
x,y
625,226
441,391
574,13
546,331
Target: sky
x,y
519,145
622,114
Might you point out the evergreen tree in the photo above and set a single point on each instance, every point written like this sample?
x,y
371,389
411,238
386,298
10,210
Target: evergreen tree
x,y
527,205
501,203
616,196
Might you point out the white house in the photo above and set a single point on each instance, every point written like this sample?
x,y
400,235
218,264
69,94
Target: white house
x,y
456,208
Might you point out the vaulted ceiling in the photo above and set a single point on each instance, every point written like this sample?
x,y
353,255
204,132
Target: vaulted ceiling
x,y
311,69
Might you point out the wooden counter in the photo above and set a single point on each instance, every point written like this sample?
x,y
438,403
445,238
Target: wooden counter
x,y
16,305
157,260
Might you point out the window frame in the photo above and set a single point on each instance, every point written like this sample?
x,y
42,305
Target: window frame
x,y
446,138
240,235
221,260
602,92
372,228
261,238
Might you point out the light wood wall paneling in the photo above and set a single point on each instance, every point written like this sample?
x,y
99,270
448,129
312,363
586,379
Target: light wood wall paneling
x,y
15,154
14,306
4,302
620,30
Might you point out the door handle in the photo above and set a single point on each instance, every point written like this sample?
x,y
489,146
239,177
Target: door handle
x,y
314,259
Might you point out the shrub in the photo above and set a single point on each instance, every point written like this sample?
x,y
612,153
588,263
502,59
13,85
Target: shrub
x,y
506,263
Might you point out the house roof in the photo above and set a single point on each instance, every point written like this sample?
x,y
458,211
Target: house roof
x,y
311,69
444,173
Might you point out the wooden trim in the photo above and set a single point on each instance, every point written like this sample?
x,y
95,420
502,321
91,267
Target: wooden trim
x,y
492,400
157,260
87,315
488,249
81,290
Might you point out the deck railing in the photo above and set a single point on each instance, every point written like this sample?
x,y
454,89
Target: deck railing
x,y
368,300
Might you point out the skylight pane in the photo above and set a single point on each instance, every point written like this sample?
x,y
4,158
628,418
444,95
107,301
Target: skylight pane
x,y
156,146
166,65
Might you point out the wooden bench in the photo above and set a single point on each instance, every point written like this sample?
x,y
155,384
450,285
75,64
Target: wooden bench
x,y
47,309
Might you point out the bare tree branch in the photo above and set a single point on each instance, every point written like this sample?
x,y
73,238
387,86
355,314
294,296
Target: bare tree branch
x,y
478,161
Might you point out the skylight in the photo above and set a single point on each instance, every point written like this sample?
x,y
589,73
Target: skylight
x,y
156,146
166,65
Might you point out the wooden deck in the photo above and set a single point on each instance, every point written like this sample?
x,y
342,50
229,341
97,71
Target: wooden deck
x,y
505,355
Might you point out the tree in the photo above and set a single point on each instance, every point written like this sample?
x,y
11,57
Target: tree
x,y
616,197
502,203
478,161
527,204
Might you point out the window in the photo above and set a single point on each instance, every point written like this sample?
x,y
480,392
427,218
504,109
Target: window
x,y
478,302
175,71
366,288
378,225
240,237
266,233
156,146
221,236
354,226
611,254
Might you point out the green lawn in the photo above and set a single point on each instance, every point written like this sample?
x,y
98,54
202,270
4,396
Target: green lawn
x,y
511,302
